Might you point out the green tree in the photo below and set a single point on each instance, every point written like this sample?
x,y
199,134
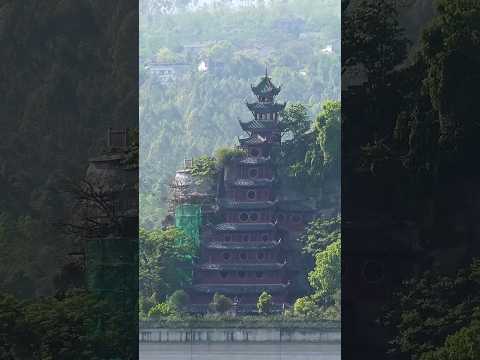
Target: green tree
x,y
179,301
320,233
327,127
325,277
204,166
264,303
220,303
160,252
433,313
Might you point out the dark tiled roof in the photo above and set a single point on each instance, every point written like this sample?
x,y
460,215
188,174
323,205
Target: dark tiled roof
x,y
245,267
253,140
265,107
246,205
266,87
250,160
258,125
241,246
229,289
245,227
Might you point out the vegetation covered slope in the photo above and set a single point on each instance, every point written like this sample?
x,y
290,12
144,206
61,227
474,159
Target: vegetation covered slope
x,y
198,112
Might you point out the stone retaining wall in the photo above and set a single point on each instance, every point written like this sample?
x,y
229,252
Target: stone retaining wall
x,y
164,335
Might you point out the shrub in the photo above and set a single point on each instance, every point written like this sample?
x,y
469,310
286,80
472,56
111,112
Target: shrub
x,y
221,304
178,301
226,155
204,166
264,303
161,309
305,306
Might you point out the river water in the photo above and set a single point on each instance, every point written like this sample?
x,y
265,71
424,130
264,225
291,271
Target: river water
x,y
239,351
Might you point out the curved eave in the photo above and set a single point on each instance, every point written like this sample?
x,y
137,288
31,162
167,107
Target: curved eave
x,y
247,183
257,125
255,160
245,227
229,289
242,267
241,246
253,205
252,141
261,108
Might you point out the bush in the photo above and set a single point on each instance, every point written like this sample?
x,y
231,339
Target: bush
x,y
305,306
221,304
204,166
179,301
161,309
264,303
225,155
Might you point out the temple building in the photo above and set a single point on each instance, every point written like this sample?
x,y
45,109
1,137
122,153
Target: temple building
x,y
252,246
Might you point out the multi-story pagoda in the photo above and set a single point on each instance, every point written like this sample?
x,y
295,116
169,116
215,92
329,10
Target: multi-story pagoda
x,y
248,251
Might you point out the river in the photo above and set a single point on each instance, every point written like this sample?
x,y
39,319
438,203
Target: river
x,y
239,351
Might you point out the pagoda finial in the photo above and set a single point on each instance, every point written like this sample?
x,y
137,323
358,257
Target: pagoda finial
x,y
266,71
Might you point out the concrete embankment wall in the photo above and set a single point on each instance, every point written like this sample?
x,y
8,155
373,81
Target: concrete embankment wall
x,y
166,335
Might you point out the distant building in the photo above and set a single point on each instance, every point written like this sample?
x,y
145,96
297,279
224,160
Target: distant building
x,y
327,49
166,72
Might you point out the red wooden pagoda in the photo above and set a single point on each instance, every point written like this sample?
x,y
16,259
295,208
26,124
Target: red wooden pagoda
x,y
248,251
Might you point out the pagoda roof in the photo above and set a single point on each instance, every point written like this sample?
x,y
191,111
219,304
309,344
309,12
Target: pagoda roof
x,y
259,107
246,205
250,160
253,140
295,206
242,245
231,289
266,87
241,227
257,125
243,266
252,182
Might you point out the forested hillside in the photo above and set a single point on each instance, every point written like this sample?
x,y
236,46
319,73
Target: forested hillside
x,y
215,53
65,77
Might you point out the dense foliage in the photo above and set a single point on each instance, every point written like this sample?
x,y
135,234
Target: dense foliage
x,y
160,254
220,304
435,316
419,137
65,78
198,111
76,326
310,151
264,303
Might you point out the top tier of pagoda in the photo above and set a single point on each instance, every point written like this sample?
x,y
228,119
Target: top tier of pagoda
x,y
266,114
265,89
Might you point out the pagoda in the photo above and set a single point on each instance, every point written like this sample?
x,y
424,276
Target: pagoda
x,y
247,250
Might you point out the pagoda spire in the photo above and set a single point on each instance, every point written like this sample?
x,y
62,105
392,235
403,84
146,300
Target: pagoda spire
x,y
266,70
